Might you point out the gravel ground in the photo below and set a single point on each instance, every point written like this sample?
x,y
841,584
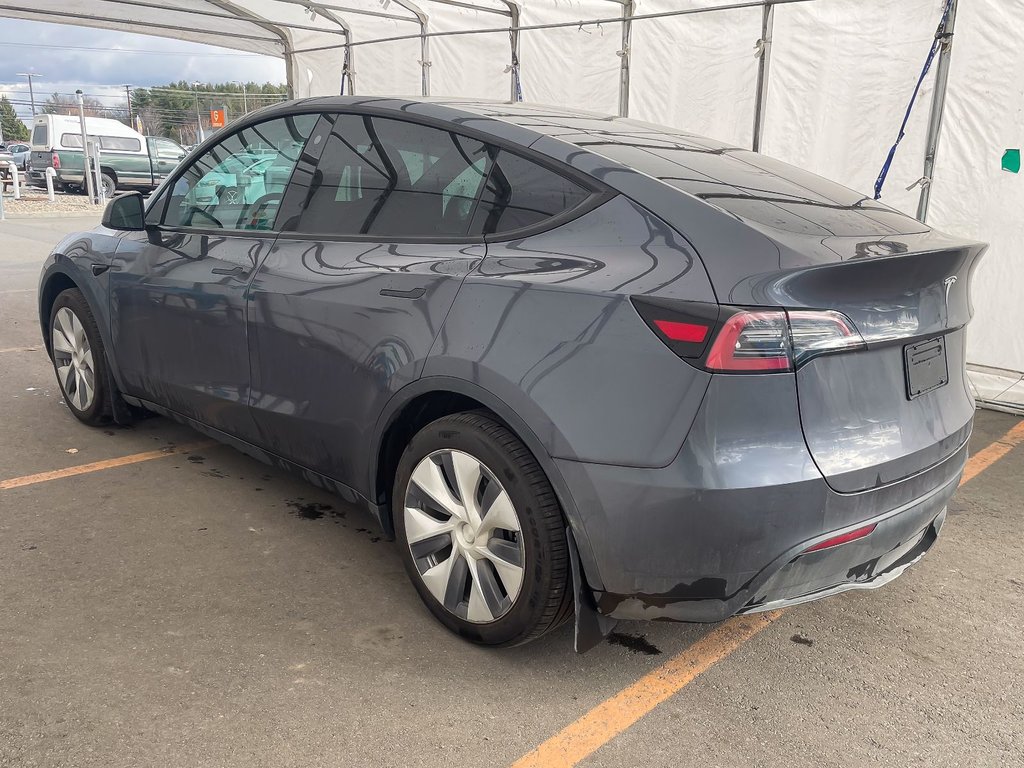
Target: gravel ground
x,y
33,202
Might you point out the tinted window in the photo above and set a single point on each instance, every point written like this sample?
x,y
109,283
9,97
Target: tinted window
x,y
109,143
238,183
39,137
378,176
520,193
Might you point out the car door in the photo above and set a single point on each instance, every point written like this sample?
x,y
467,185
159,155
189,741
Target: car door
x,y
165,156
178,290
374,245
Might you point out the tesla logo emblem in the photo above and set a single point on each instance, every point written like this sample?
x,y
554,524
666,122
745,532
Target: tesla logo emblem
x,y
948,282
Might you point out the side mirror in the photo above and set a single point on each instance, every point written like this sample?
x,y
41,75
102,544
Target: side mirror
x,y
125,212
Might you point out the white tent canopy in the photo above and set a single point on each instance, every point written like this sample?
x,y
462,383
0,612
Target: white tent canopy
x,y
831,101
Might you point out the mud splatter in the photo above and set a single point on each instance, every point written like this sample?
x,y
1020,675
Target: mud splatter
x,y
634,643
802,640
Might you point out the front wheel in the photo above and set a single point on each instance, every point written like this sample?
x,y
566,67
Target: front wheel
x,y
481,533
78,358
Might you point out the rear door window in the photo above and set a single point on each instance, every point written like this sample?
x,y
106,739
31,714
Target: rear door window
x,y
40,136
392,179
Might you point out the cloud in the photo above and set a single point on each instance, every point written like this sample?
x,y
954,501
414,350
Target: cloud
x,y
63,55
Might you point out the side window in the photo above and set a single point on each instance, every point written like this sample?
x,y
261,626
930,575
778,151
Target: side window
x,y
520,193
391,178
238,183
167,149
39,135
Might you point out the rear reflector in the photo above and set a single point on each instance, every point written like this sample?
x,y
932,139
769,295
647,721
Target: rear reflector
x,y
844,538
690,332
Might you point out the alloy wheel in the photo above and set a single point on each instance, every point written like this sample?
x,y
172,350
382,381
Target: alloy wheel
x,y
464,535
72,356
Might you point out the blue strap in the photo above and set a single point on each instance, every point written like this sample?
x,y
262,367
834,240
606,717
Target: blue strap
x,y
940,36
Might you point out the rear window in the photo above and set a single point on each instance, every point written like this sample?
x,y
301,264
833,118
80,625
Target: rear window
x,y
39,136
109,143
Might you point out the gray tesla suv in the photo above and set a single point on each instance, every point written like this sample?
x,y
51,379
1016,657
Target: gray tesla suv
x,y
576,365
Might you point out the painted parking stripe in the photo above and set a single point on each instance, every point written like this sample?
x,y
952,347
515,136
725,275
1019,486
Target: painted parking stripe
x,y
613,716
992,453
96,466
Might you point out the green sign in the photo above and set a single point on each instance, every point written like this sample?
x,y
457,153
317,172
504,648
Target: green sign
x,y
1011,160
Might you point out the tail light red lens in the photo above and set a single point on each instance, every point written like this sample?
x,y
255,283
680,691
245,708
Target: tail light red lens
x,y
843,538
726,339
55,161
751,341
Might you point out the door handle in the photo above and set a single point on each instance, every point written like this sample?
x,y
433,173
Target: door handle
x,y
413,293
233,272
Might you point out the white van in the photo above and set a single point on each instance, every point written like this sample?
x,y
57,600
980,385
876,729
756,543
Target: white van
x,y
128,160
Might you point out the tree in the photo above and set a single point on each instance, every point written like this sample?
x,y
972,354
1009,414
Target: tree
x,y
13,128
170,110
61,104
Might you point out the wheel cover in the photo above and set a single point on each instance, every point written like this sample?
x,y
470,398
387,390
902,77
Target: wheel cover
x,y
72,357
464,535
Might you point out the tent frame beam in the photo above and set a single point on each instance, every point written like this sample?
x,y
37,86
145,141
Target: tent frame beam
x,y
936,112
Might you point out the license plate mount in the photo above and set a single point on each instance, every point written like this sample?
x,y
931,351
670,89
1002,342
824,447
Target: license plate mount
x,y
926,368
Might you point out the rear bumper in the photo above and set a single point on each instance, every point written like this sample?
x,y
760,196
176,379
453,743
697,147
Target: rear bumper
x,y
721,529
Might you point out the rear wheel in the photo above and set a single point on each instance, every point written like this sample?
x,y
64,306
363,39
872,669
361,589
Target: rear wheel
x,y
79,359
481,534
109,185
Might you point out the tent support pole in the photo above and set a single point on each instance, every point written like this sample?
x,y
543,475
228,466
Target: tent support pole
x,y
935,113
628,10
514,40
764,61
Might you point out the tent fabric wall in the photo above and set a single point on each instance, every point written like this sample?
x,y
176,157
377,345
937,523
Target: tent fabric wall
x,y
840,77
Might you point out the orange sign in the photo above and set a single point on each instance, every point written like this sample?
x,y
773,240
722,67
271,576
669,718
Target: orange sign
x,y
218,117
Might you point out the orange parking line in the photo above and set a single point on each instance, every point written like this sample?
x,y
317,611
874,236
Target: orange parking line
x,y
96,466
611,717
992,453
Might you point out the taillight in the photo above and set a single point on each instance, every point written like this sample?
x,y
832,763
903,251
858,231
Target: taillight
x,y
726,339
751,341
55,161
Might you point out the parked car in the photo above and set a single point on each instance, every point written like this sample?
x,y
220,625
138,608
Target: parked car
x,y
6,157
564,359
21,153
128,160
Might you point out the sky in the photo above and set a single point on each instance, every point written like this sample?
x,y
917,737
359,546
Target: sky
x,y
55,51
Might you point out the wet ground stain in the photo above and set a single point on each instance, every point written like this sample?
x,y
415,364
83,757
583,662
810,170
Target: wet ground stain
x,y
196,459
312,510
214,473
801,640
634,643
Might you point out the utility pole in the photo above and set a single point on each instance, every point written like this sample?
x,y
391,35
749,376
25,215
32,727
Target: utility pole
x,y
31,93
199,122
128,95
245,97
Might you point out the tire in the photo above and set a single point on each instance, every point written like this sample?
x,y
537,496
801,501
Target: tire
x,y
464,588
109,185
79,359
